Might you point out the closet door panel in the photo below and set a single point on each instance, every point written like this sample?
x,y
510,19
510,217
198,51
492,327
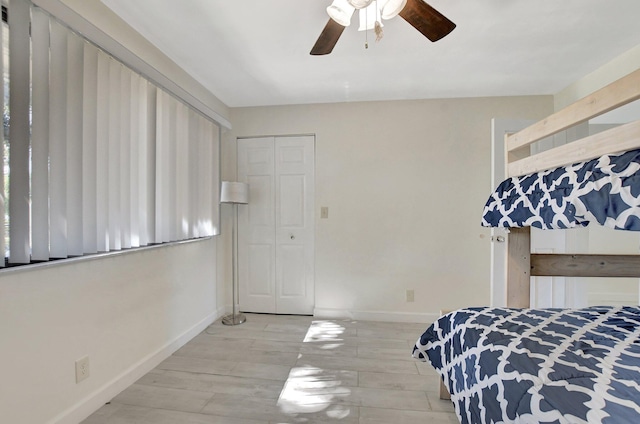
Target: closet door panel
x,y
256,227
259,265
295,255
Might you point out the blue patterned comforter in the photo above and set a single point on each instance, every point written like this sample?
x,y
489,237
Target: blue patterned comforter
x,y
605,190
538,365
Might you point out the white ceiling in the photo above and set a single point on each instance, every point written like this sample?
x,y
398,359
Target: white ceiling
x,y
256,52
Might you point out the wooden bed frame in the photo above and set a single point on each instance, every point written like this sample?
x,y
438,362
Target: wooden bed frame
x,y
521,263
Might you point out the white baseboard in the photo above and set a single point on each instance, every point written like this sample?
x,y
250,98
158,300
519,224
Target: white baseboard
x,y
96,400
426,318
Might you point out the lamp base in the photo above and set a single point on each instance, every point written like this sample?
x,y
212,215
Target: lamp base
x,y
232,319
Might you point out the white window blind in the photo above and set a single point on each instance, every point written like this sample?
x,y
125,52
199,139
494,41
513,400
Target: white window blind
x,y
90,150
3,208
125,158
19,194
148,157
75,178
162,158
102,152
40,137
100,158
58,141
182,171
134,165
170,187
113,157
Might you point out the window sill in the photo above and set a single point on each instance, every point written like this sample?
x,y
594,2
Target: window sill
x,y
16,268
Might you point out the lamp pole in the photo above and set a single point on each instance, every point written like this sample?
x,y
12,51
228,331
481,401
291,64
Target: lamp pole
x,y
234,193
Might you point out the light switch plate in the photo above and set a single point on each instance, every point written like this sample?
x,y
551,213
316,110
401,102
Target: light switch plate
x,y
410,295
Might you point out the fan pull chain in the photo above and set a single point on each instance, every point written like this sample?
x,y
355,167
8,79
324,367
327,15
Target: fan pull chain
x,y
366,31
377,27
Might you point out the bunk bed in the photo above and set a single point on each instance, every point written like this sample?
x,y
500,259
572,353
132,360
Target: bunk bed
x,y
521,365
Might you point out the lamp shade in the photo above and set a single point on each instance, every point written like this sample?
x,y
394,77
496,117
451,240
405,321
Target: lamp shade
x,y
234,192
341,12
360,4
391,8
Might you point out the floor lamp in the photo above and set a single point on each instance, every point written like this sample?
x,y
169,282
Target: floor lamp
x,y
234,193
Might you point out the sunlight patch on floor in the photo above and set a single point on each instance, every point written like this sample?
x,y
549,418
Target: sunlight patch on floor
x,y
313,390
324,331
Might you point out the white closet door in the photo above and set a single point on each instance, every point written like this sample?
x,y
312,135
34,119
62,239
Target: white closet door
x,y
294,225
276,229
256,226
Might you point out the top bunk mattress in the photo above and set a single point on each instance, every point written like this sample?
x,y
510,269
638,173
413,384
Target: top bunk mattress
x,y
605,190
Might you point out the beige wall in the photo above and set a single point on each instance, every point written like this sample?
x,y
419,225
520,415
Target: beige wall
x,y
405,182
606,74
126,312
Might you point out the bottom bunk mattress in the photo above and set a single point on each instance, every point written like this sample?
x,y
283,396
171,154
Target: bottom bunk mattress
x,y
538,365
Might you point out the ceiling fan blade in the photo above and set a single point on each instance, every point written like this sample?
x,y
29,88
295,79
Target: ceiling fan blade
x,y
431,23
328,38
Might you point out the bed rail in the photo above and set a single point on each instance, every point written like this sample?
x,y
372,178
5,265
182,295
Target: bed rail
x,y
614,140
521,264
585,265
610,97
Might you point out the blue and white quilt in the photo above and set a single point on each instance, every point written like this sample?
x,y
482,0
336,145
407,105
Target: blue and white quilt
x,y
605,190
506,365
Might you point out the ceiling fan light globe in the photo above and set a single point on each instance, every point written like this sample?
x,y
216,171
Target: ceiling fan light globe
x,y
368,18
341,12
392,8
360,4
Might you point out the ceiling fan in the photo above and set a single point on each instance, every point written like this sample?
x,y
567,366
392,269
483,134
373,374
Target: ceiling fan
x,y
431,23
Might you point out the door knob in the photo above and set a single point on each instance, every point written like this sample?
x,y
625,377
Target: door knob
x,y
293,237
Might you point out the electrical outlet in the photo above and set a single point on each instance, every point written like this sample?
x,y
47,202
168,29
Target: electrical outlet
x,y
82,369
410,296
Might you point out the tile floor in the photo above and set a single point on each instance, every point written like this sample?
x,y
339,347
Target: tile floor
x,y
287,369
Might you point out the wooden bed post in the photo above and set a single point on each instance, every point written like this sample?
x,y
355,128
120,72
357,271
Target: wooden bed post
x,y
519,269
519,161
